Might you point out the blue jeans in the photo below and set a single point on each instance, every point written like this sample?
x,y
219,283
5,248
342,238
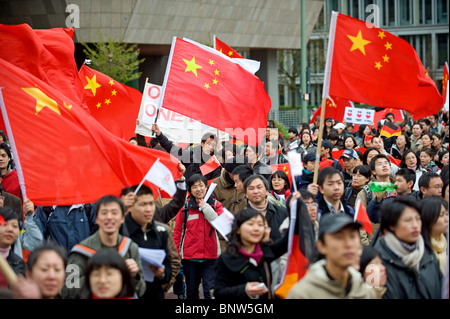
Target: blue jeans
x,y
196,272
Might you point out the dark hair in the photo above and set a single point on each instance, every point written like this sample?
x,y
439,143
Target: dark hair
x,y
408,174
425,120
282,175
6,148
326,173
143,190
293,129
417,123
48,246
355,143
403,160
366,154
109,257
243,171
408,141
153,142
234,239
333,135
3,135
193,179
430,212
441,156
368,254
8,213
250,179
207,136
307,195
109,199
363,170
429,151
424,180
445,178
375,158
255,149
391,210
126,190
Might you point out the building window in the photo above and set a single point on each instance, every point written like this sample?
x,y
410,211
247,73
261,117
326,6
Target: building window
x,y
425,12
443,49
442,11
406,12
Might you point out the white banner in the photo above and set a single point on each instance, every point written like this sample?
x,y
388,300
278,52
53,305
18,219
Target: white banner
x,y
178,128
359,116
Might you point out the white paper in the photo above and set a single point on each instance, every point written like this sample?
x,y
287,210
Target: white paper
x,y
223,223
153,257
359,115
210,190
295,161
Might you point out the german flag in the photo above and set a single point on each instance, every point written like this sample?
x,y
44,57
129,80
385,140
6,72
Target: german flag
x,y
388,130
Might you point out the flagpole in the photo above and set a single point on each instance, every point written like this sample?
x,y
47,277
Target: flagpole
x,y
319,142
13,146
143,180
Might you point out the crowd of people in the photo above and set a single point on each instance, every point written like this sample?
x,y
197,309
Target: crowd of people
x,y
94,250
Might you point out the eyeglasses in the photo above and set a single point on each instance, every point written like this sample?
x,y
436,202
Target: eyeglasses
x,y
438,186
410,158
311,205
382,163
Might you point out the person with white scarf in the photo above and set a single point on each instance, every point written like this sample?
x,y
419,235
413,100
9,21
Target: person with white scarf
x,y
411,266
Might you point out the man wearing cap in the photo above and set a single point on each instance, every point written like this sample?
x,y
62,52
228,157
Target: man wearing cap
x,y
325,152
334,277
349,158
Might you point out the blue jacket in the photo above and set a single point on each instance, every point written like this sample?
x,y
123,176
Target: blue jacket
x,y
66,225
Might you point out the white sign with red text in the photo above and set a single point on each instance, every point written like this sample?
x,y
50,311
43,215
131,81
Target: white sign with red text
x,y
175,126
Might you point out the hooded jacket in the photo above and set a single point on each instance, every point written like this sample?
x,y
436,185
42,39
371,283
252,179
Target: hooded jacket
x,y
317,284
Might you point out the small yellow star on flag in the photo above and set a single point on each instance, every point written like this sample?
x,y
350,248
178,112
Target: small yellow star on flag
x,y
107,101
378,65
206,85
113,92
388,46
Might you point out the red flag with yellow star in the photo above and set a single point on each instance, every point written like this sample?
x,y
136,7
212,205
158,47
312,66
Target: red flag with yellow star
x,y
207,86
225,48
63,155
369,65
335,108
113,104
445,85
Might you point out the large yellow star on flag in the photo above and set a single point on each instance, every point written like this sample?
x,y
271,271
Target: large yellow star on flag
x,y
42,100
358,42
191,66
92,84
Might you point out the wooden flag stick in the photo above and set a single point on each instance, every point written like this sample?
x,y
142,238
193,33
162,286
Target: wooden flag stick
x,y
7,270
319,142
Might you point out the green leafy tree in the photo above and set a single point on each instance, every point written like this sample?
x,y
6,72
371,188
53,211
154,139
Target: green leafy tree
x,y
289,72
116,59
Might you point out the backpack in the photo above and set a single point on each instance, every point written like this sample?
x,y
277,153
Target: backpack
x,y
368,193
89,252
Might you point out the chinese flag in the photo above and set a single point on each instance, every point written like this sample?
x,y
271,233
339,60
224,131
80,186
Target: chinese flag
x,y
398,115
204,85
301,248
62,154
210,165
113,104
363,218
225,49
445,86
285,167
369,65
335,108
48,54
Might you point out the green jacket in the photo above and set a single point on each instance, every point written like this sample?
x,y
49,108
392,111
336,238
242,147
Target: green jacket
x,y
79,256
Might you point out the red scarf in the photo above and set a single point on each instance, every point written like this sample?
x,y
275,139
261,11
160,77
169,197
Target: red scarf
x,y
257,254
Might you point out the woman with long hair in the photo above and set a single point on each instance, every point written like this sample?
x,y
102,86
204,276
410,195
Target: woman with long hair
x,y
243,271
411,160
402,144
412,268
434,215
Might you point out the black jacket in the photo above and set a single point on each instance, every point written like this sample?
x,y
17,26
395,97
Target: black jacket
x,y
275,216
191,158
156,237
170,210
405,283
16,263
233,272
